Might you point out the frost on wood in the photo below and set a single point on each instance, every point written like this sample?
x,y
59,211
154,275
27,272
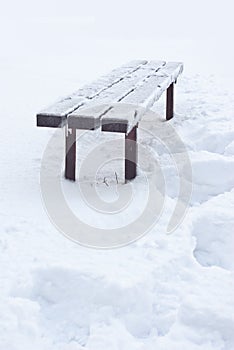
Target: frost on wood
x,y
138,82
71,102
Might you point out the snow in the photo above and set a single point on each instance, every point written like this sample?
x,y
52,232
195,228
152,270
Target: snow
x,y
166,292
78,98
141,87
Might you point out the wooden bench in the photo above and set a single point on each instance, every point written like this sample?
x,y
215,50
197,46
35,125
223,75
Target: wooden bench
x,y
138,83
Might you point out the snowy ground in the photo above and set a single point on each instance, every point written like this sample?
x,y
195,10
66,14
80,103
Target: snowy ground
x,y
166,292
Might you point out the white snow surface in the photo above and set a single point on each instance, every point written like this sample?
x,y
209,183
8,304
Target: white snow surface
x,y
164,292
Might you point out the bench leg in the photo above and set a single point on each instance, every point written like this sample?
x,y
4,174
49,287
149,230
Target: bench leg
x,y
170,102
131,154
70,157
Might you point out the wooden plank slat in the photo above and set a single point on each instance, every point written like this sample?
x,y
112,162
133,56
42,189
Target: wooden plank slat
x,y
152,88
55,115
88,116
145,94
114,77
119,117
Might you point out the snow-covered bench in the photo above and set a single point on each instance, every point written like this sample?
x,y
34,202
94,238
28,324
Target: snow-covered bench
x,y
138,84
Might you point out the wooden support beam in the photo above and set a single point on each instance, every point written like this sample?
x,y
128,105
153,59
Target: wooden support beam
x,y
131,154
170,102
70,157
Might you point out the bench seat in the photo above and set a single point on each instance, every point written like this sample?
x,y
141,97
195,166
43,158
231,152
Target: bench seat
x,y
139,82
56,114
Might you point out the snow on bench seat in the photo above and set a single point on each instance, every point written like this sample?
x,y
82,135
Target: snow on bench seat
x,y
142,97
88,116
139,83
141,88
55,115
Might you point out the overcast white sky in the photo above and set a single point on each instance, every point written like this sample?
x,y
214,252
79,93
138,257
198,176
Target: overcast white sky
x,y
168,29
131,17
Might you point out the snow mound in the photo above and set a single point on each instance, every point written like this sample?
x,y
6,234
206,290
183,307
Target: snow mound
x,y
213,229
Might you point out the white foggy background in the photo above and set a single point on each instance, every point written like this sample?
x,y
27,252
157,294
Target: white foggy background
x,y
54,46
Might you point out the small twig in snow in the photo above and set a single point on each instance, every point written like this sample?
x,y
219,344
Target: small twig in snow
x,y
116,177
104,181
